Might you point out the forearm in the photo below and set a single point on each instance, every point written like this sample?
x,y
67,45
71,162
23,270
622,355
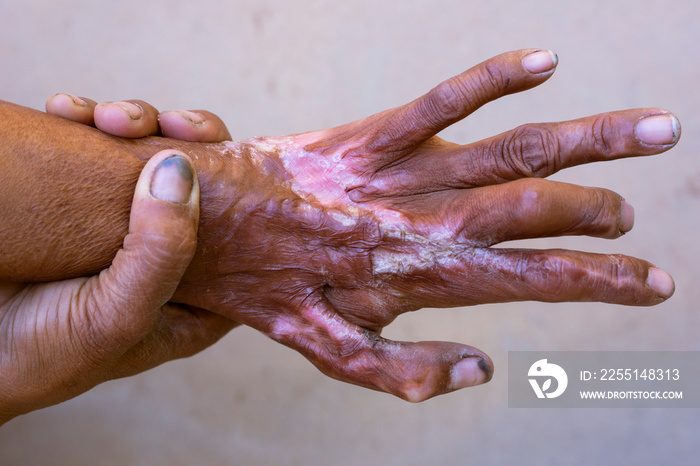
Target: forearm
x,y
65,194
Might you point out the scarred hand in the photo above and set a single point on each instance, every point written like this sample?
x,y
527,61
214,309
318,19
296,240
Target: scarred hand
x,y
320,240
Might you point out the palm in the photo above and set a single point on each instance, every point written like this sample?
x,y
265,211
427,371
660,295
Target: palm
x,y
68,331
32,319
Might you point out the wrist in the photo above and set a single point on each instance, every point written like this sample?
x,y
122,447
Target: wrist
x,y
230,175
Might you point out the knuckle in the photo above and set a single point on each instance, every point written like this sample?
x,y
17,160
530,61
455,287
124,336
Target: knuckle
x,y
621,275
550,275
616,275
603,215
530,151
162,251
493,82
98,334
451,98
447,98
603,135
531,199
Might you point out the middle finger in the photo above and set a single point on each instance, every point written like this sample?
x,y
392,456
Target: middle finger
x,y
533,150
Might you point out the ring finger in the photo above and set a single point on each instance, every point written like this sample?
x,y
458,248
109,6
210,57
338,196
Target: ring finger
x,y
521,209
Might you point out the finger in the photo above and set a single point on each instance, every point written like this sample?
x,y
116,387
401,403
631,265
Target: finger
x,y
540,150
196,126
411,371
70,107
531,208
127,119
458,97
468,276
561,275
181,332
124,301
533,150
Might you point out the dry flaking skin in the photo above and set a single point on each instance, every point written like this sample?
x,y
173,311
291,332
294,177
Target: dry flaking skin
x,y
320,240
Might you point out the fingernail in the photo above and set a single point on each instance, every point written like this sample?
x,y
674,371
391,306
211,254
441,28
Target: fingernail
x,y
540,61
660,282
135,111
626,217
194,118
172,180
77,100
470,371
658,129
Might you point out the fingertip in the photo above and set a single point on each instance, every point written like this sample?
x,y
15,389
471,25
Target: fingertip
x,y
192,117
128,119
169,177
71,107
471,371
486,366
217,128
193,125
661,283
658,129
540,61
173,180
626,217
62,99
181,124
133,110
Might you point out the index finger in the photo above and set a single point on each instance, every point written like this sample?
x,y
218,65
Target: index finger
x,y
458,97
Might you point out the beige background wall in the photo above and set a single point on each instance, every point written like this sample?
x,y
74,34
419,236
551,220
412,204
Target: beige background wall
x,y
277,67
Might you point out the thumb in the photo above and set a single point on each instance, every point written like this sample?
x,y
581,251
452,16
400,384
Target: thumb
x,y
126,298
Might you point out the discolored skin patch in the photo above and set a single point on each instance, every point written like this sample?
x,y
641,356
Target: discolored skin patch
x,y
320,240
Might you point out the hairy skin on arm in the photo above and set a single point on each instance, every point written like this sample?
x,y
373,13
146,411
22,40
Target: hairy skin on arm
x,y
320,240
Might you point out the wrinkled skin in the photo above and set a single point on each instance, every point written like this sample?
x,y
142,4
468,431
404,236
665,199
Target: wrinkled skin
x,y
61,338
322,239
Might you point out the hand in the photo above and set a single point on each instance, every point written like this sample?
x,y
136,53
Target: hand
x,y
60,339
137,119
320,240
63,338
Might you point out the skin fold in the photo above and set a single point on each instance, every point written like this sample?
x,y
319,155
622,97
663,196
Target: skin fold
x,y
60,338
320,240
